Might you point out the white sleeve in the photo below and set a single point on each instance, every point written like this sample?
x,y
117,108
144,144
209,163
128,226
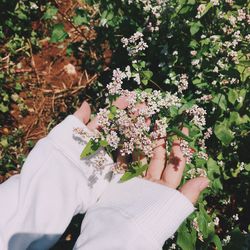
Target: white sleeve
x,y
137,214
54,185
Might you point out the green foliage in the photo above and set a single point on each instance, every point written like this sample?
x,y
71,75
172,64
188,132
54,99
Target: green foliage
x,y
91,147
50,12
58,33
134,170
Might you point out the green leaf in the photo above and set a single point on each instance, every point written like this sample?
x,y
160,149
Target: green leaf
x,y
179,133
145,82
147,74
216,240
184,238
104,143
221,101
232,96
134,172
212,167
186,106
3,108
80,18
91,147
247,167
185,9
4,142
58,33
216,184
223,133
112,114
195,27
245,63
50,12
173,111
203,220
241,98
244,72
199,83
235,118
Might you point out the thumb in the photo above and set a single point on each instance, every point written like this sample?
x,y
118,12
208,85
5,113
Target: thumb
x,y
83,113
192,188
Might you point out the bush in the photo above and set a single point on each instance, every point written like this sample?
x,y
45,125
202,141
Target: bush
x,y
207,44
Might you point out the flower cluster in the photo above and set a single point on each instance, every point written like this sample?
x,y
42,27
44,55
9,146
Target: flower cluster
x,y
134,44
146,118
198,115
153,9
195,172
183,84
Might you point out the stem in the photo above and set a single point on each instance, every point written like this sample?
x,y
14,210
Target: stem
x,y
156,84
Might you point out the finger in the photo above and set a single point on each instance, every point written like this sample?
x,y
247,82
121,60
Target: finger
x,y
83,113
121,103
192,188
173,172
157,162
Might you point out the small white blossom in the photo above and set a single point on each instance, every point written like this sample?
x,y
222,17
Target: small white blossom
x,y
216,221
113,139
226,240
198,114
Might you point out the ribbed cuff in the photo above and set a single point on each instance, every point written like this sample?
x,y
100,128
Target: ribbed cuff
x,y
71,145
157,210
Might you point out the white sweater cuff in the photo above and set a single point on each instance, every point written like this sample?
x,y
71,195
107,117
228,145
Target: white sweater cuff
x,y
71,145
156,209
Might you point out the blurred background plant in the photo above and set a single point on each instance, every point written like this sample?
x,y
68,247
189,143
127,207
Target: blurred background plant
x,y
55,54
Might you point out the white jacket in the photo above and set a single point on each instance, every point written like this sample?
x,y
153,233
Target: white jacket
x,y
54,185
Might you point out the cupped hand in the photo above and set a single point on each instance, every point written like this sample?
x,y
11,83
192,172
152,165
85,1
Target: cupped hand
x,y
168,172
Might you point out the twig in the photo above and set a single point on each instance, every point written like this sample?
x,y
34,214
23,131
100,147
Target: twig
x,y
156,84
80,80
33,64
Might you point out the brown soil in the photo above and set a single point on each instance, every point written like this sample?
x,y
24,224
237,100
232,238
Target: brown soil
x,y
51,79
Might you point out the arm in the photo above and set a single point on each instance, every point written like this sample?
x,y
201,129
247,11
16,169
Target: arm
x,y
54,185
137,214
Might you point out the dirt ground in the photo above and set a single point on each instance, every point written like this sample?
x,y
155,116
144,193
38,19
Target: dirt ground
x,y
51,80
50,77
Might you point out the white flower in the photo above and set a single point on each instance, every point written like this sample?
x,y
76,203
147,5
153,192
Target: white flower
x,y
235,217
198,114
216,221
215,2
195,62
134,44
33,6
201,8
113,139
137,78
193,52
226,240
183,84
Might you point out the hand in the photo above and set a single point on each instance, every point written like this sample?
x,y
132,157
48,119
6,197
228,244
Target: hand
x,y
143,212
164,171
169,172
